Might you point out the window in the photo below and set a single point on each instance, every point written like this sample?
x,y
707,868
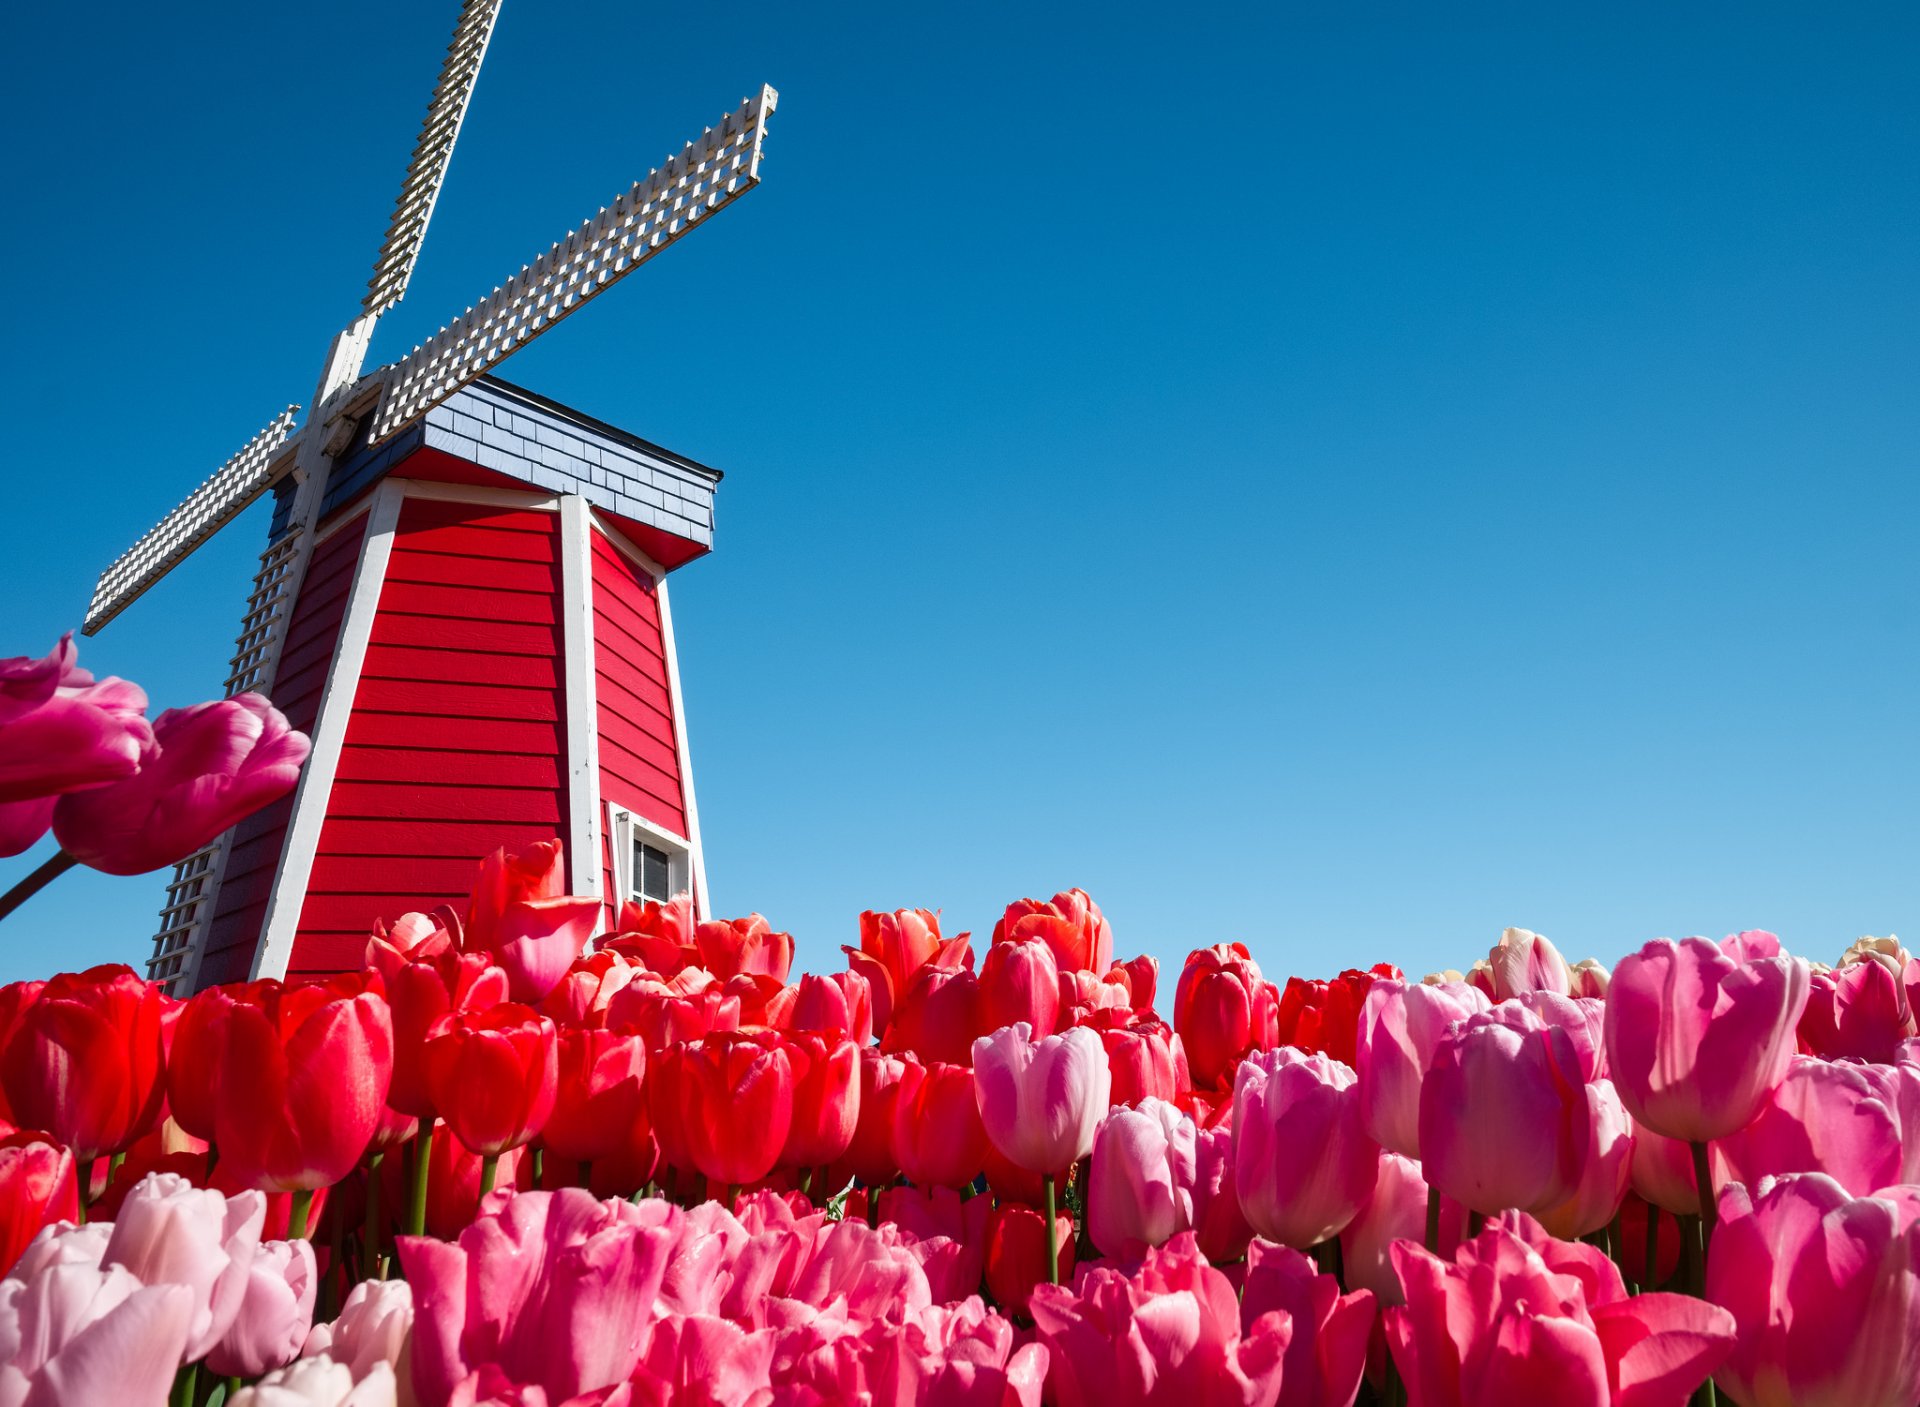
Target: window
x,y
650,864
653,869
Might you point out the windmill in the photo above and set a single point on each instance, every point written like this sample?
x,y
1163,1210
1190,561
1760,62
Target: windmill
x,y
463,597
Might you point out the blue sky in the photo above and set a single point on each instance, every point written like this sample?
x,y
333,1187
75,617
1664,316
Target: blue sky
x,y
1331,476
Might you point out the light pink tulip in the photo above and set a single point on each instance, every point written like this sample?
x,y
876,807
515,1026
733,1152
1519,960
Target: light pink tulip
x,y
1825,1291
275,1315
1584,1019
1588,978
1517,1317
321,1382
61,732
1327,1352
1503,1112
1400,1025
1040,1101
1141,1190
1604,1174
374,1328
169,1232
210,766
1696,1040
1302,1161
1827,1117
1395,1210
1523,961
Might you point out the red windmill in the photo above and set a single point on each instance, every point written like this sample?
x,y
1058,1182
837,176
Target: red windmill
x,y
463,599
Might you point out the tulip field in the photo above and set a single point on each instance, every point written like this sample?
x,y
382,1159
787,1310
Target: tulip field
x,y
513,1161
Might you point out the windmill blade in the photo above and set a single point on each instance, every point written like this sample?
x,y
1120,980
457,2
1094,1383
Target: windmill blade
x,y
206,510
431,154
708,175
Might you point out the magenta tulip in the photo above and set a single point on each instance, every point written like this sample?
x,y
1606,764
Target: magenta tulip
x,y
1858,1010
1219,1226
1302,1161
1040,1101
1141,1190
1695,1040
1327,1351
23,823
60,731
1601,1184
1825,1292
1400,1026
1838,1119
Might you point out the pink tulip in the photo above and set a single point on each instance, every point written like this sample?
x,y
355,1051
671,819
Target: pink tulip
x,y
551,1288
1825,1292
1302,1161
1858,1010
1395,1210
210,766
1503,1113
1838,1119
1751,945
1584,1019
1662,1172
62,732
1328,1350
1696,1040
1169,1333
170,1232
1525,962
1141,1190
23,823
1220,1227
1603,1176
1400,1026
1040,1101
1020,981
275,1315
321,1382
951,1357
1517,1317
374,1328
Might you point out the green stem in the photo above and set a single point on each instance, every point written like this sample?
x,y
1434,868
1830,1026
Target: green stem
x,y
113,1166
733,1197
873,1206
539,1165
233,1388
186,1385
1053,1249
1703,1185
806,1183
370,1243
35,882
1433,1220
1650,1274
487,1166
84,1168
297,1218
422,1164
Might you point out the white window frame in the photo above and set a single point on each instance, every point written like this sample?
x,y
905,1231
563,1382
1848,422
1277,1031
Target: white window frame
x,y
623,828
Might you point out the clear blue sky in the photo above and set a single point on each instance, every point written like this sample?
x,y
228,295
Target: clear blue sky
x,y
1328,476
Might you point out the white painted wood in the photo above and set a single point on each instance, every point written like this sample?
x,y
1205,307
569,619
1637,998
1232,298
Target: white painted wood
x,y
533,500
582,694
702,899
628,550
297,850
624,826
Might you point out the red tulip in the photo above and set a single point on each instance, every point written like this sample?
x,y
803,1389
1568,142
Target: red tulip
x,y
730,947
738,1093
1324,1016
938,1017
659,937
893,947
1019,981
1634,1212
194,1054
938,1139
666,1085
839,1001
869,1155
1016,1258
1145,1057
600,1094
453,1184
304,1073
1142,978
1072,925
61,732
37,1188
411,938
1224,1010
421,995
684,1007
493,1076
86,1061
210,766
826,1098
521,914
587,991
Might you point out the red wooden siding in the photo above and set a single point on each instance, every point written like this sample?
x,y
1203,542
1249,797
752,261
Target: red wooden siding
x,y
457,740
241,905
639,758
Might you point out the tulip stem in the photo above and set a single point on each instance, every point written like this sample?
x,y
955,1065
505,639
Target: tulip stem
x,y
422,1162
539,1156
488,1165
370,1246
58,865
84,1167
1053,1247
806,1183
297,1217
1703,1185
1433,1220
186,1385
1650,1272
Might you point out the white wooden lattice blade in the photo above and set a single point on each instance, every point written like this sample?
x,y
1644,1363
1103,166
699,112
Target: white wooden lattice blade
x,y
205,511
709,174
431,154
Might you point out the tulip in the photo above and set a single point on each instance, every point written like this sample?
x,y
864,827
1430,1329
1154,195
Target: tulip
x,y
1017,1248
1858,1010
1223,1011
731,947
1142,976
1503,1113
1220,1227
938,1138
1072,924
373,1329
412,937
945,1232
493,1075
1140,1194
304,1073
193,1053
1836,1119
1302,1161
421,994
1324,1016
1588,978
1327,1353
1662,1172
1020,981
170,1232
37,1188
684,1007
1601,1182
893,947
938,1017
1399,1029
1145,1058
826,1098
24,823
451,1188
85,1061
588,989
1695,1040
60,731
320,1382
738,1105
1395,1210
840,1001
1637,1217
552,1288
520,913
1517,1317
1824,1289
1525,962
210,766
869,1154
1040,1101
275,1315
600,1094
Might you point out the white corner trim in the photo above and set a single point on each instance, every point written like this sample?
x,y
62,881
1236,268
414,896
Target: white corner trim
x,y
628,550
702,900
582,696
624,826
289,894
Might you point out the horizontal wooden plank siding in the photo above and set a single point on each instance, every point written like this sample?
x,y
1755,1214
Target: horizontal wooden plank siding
x,y
456,745
240,907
